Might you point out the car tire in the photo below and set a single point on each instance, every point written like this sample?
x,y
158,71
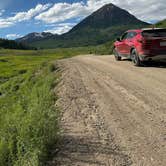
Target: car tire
x,y
116,54
135,58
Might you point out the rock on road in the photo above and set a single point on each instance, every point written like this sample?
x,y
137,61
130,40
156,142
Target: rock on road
x,y
113,113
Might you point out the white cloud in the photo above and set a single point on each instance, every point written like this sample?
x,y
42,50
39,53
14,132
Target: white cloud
x,y
143,9
63,11
61,28
5,24
60,12
23,16
13,36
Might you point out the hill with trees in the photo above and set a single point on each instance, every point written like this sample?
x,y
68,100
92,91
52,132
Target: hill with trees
x,y
100,27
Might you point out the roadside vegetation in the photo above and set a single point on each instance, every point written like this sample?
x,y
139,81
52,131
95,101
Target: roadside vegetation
x,y
28,116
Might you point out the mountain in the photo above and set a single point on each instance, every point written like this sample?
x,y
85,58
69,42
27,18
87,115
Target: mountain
x,y
32,37
101,26
161,24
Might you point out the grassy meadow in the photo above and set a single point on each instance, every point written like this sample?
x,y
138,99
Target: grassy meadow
x,y
28,116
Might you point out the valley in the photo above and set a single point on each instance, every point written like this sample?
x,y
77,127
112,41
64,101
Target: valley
x,y
65,100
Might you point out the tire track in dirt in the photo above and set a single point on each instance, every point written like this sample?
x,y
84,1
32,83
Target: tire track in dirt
x,y
113,113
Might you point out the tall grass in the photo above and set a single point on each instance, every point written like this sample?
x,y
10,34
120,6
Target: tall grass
x,y
28,117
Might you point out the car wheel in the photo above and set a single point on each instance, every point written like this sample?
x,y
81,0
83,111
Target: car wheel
x,y
135,58
116,54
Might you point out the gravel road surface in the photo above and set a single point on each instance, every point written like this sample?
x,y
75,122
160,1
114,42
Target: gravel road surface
x,y
114,114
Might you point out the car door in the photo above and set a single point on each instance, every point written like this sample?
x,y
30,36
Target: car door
x,y
120,45
128,43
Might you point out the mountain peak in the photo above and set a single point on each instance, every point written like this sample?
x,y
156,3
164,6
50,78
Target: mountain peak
x,y
109,6
102,26
108,16
34,36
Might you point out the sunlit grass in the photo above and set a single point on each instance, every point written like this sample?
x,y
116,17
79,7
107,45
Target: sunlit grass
x,y
28,117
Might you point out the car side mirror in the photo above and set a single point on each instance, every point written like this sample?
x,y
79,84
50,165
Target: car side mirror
x,y
118,39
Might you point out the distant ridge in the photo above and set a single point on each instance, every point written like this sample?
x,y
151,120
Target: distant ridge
x,y
101,26
32,37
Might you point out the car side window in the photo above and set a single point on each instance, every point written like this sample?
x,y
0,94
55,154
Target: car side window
x,y
130,35
124,36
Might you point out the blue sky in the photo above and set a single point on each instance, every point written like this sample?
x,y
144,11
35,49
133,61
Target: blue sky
x,y
20,17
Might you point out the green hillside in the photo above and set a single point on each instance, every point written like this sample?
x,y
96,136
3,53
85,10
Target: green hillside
x,y
161,24
100,27
77,39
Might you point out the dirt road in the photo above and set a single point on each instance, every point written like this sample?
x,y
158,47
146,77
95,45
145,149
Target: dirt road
x,y
114,113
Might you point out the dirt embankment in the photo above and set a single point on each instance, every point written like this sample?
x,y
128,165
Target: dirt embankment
x,y
114,113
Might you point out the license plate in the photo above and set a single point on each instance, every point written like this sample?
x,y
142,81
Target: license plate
x,y
162,43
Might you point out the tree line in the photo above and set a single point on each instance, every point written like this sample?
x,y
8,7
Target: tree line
x,y
11,44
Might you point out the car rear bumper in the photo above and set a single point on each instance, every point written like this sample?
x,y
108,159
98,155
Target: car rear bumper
x,y
152,57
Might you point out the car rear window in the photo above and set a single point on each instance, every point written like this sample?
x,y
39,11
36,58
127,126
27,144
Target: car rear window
x,y
154,33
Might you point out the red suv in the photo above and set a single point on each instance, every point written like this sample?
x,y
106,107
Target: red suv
x,y
141,45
